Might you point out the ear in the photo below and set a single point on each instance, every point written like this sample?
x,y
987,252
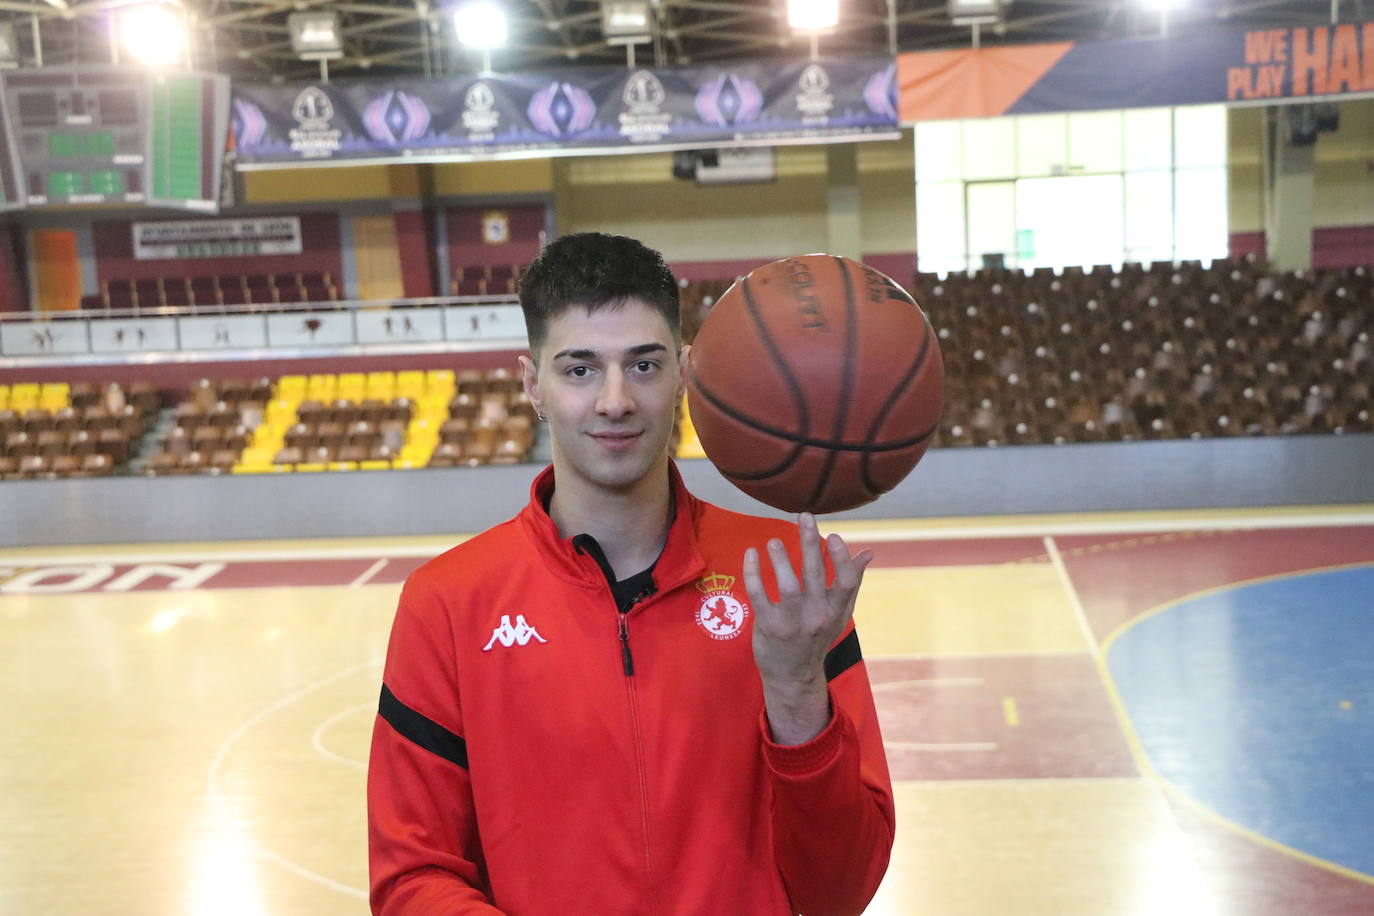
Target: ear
x,y
529,378
683,356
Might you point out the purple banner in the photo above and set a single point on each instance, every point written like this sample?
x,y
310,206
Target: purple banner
x,y
581,111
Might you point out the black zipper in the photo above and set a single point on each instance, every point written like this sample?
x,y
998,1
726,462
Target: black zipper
x,y
625,656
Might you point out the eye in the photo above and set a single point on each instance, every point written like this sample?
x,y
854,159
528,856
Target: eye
x,y
579,371
646,365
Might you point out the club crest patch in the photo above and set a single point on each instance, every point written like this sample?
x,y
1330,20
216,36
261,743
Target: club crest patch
x,y
721,614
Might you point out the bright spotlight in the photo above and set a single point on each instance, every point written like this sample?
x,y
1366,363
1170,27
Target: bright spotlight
x,y
813,15
153,34
480,24
1164,5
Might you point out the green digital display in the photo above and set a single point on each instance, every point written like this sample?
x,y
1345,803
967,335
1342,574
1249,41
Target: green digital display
x,y
177,132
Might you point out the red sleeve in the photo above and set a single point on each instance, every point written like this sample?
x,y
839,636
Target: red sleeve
x,y
424,853
833,820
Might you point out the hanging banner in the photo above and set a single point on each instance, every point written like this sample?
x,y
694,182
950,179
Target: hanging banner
x,y
574,111
1273,65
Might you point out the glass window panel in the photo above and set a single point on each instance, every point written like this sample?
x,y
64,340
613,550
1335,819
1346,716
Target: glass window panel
x,y
1199,136
1095,141
1149,215
1041,145
1200,223
1149,139
1072,220
992,221
940,220
989,148
938,151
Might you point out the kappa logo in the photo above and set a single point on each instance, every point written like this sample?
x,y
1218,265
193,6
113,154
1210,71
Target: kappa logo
x,y
721,614
518,635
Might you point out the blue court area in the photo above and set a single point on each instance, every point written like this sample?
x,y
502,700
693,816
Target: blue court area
x,y
1257,701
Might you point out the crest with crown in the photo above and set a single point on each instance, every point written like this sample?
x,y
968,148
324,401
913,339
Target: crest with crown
x,y
715,583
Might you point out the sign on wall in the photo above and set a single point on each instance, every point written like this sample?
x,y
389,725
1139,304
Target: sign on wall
x,y
217,238
577,110
1295,64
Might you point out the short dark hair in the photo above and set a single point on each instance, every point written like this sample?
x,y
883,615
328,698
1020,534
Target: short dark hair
x,y
594,270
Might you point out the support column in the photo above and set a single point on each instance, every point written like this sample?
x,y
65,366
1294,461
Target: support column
x,y
1288,194
843,231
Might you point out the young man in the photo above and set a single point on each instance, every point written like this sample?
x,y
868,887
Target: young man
x,y
599,707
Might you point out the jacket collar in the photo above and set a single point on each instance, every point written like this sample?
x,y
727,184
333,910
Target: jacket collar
x,y
680,561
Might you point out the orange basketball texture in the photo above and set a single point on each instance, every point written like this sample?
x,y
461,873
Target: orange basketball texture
x,y
815,384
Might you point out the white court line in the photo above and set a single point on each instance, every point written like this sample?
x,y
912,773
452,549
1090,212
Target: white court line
x,y
938,746
317,739
853,530
223,752
1151,778
371,571
931,681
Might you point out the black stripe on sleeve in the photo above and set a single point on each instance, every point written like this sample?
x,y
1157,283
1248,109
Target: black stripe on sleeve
x,y
843,656
422,731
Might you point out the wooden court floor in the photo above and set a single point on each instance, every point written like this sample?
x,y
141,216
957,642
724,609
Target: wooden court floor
x,y
1146,713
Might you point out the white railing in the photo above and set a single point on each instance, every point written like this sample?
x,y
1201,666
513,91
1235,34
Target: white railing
x,y
465,322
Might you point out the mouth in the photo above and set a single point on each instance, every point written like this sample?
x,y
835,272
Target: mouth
x,y
618,440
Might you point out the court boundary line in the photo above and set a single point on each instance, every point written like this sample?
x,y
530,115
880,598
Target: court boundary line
x,y
1189,853
317,737
1143,760
1337,517
222,753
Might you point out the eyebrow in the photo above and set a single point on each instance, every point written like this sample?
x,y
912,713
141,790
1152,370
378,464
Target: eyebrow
x,y
640,350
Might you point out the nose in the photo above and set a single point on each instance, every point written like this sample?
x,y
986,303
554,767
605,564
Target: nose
x,y
614,400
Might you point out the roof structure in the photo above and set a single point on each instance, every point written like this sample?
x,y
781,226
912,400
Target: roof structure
x,y
249,40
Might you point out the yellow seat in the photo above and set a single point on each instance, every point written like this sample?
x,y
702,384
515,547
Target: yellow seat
x,y
55,396
24,396
310,467
291,384
410,384
403,464
343,465
438,380
4,397
257,455
377,465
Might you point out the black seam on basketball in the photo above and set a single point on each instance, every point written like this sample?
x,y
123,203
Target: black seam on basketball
x,y
798,399
846,383
891,402
720,405
732,413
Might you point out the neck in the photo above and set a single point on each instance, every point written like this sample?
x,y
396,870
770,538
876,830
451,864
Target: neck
x,y
630,524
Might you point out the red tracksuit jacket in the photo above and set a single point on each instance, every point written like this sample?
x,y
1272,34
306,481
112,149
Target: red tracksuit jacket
x,y
518,768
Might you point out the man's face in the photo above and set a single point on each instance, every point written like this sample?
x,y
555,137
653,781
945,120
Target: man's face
x,y
608,382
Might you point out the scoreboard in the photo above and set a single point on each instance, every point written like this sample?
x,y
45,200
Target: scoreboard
x,y
112,135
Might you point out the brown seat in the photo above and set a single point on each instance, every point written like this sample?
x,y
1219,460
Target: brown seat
x,y
355,453
20,445
224,415
321,454
224,459
345,411
84,394
8,466
446,455
302,436
96,465
313,413
67,420
207,439
52,443
114,443
38,420
288,456
190,415
363,433
65,465
237,438
455,431
80,443
159,464
194,463
333,435
31,466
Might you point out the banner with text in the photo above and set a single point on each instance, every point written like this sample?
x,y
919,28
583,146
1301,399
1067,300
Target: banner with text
x,y
1278,65
217,238
572,111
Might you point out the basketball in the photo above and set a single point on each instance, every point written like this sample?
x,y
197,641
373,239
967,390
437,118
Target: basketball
x,y
815,384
